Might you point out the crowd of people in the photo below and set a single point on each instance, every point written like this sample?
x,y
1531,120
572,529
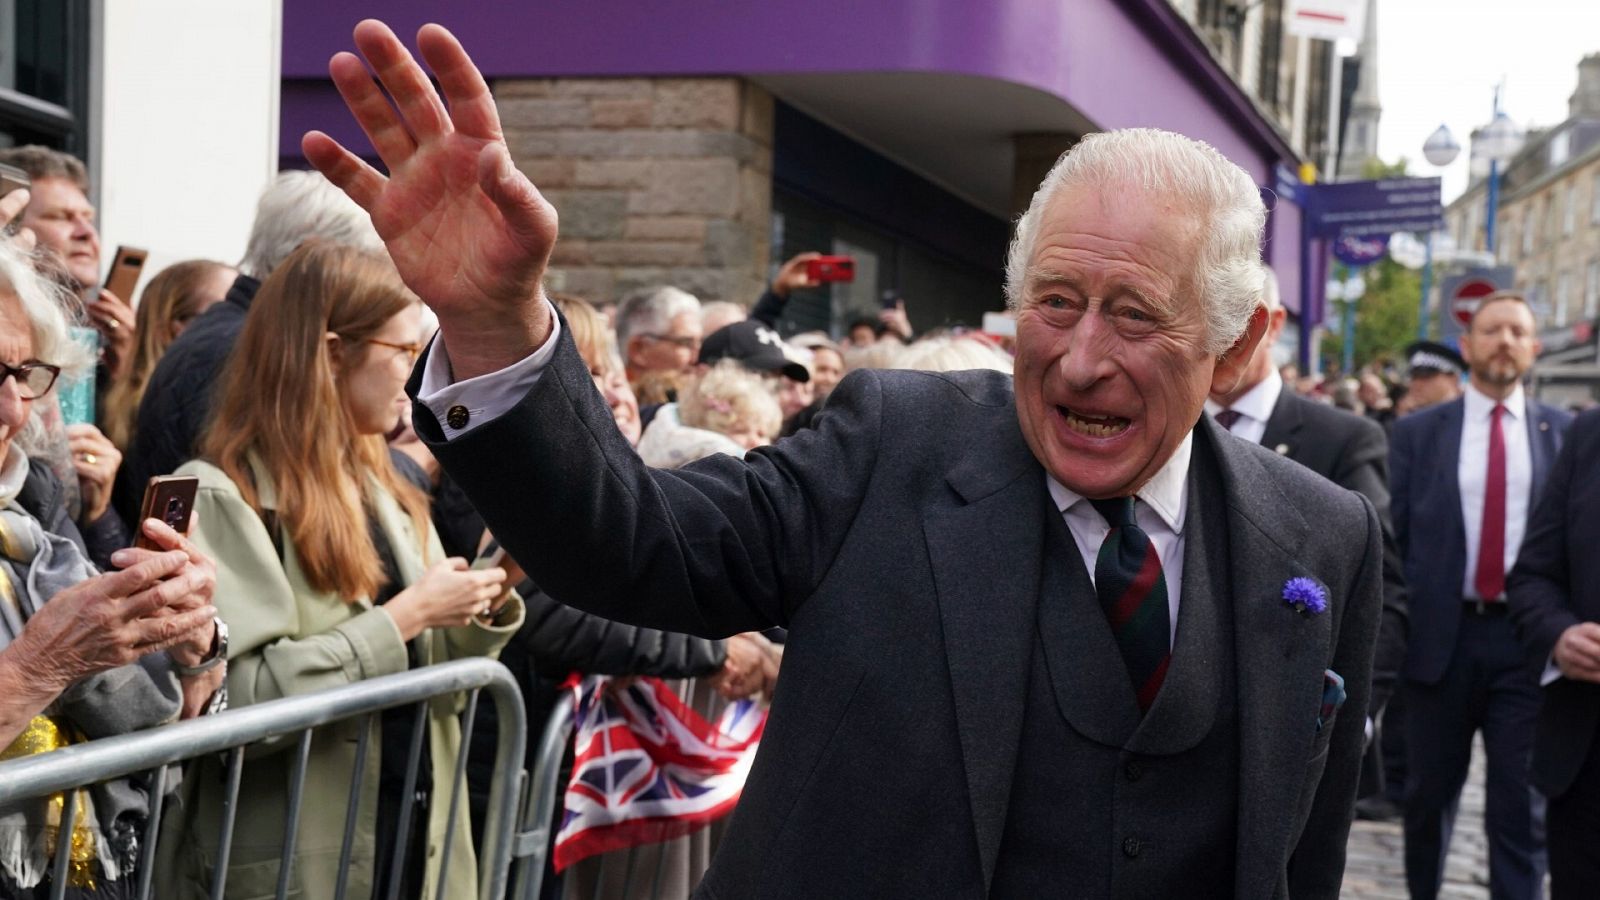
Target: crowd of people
x,y
700,493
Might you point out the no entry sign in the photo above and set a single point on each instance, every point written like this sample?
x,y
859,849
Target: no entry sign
x,y
1464,302
1460,294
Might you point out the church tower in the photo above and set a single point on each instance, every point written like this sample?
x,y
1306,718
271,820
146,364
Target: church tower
x,y
1360,139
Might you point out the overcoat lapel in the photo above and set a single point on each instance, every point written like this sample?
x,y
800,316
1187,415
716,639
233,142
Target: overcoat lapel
x,y
1280,654
1283,426
984,543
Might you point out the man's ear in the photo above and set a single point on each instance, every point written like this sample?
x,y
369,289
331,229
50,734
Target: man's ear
x,y
1235,361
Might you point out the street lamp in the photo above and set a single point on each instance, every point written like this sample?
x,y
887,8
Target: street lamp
x,y
1498,142
1440,149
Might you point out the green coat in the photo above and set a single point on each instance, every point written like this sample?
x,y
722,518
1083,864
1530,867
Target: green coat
x,y
287,639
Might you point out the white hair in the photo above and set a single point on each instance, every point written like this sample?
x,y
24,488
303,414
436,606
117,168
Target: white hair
x,y
299,206
50,309
651,311
952,354
1269,288
1225,204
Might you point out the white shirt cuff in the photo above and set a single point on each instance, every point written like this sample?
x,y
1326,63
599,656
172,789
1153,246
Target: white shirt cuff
x,y
475,401
1551,672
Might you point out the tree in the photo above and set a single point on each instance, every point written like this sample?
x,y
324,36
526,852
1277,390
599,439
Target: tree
x,y
1386,315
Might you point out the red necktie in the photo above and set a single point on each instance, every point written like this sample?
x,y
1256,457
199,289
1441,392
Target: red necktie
x,y
1490,579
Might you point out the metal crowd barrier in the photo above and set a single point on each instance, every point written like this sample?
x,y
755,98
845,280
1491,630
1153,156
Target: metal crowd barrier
x,y
62,771
541,804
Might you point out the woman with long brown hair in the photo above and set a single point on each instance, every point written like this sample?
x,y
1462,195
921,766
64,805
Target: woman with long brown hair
x,y
169,301
332,573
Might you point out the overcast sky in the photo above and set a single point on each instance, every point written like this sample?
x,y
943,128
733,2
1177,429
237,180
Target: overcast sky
x,y
1439,61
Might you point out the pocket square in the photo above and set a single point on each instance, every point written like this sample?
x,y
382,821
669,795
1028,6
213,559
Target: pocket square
x,y
1332,697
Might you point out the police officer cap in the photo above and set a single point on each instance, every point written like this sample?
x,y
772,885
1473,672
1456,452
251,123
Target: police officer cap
x,y
1430,357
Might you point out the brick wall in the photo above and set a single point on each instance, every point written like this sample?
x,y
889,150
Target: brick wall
x,y
657,180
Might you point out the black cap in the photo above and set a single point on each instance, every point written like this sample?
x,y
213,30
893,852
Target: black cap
x,y
1428,357
756,347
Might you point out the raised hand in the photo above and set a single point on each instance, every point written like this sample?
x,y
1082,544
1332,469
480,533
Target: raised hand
x,y
469,233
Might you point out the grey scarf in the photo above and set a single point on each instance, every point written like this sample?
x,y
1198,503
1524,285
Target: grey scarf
x,y
37,565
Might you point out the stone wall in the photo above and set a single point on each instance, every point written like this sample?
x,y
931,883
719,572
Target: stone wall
x,y
657,180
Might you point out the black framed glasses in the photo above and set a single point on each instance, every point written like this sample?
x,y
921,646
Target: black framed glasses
x,y
34,379
412,350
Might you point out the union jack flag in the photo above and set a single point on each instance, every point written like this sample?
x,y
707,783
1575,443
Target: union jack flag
x,y
646,768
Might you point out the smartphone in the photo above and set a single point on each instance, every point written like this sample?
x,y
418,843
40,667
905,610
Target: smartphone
x,y
492,556
13,179
126,267
75,393
169,498
831,268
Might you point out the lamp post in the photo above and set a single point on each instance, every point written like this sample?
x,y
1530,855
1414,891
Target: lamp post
x,y
1440,149
1498,142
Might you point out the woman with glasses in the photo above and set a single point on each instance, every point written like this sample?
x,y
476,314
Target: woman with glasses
x,y
329,572
81,651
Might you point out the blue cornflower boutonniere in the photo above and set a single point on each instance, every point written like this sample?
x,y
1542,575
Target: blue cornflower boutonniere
x,y
1305,595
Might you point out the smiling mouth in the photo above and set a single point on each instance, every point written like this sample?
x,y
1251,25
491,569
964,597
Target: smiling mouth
x,y
1093,426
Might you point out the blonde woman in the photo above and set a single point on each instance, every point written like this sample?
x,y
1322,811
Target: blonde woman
x,y
329,572
173,297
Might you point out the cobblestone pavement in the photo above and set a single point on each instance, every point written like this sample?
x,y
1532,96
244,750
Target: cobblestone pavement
x,y
1375,866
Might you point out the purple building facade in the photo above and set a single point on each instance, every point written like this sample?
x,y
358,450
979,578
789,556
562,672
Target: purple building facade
x,y
701,143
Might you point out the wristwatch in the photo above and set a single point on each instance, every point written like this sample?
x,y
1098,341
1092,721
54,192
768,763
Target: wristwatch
x,y
219,652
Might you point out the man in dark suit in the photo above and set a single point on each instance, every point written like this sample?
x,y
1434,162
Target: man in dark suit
x,y
1352,452
1554,593
1464,475
1049,639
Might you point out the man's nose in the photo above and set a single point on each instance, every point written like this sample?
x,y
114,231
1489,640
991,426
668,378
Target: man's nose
x,y
1087,351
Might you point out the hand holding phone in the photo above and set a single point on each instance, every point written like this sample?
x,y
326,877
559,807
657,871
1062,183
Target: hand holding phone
x,y
821,269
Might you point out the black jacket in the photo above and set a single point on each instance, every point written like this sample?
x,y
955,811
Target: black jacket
x,y
1553,587
177,401
902,542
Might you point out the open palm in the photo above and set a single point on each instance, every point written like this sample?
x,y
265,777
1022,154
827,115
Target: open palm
x,y
467,231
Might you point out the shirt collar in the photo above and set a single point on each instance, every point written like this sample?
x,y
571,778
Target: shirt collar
x,y
1258,402
1478,404
1167,493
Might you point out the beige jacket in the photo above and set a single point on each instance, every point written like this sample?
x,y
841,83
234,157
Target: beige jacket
x,y
286,639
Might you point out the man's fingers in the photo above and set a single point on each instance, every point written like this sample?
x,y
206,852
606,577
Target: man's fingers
x,y
360,182
472,107
12,204
420,107
530,219
372,110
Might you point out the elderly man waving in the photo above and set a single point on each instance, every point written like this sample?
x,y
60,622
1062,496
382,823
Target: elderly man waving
x,y
1060,637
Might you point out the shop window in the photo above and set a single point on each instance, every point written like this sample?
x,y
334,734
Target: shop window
x,y
1591,290
44,73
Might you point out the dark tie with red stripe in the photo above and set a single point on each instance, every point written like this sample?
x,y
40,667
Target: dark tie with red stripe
x,y
1133,593
1490,579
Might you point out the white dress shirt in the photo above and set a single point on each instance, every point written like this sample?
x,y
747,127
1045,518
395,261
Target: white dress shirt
x,y
1474,467
1161,507
1254,407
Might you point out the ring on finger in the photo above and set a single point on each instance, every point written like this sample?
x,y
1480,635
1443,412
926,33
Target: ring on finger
x,y
90,458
